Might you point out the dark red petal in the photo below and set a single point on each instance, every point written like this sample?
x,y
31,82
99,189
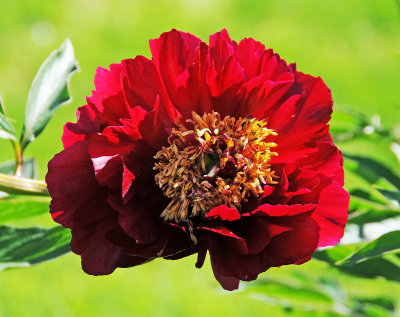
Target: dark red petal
x,y
173,243
227,282
108,171
64,182
222,233
152,130
140,220
99,257
258,231
140,163
126,260
223,212
294,245
92,221
228,263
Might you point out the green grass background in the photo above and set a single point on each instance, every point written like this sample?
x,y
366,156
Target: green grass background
x,y
353,45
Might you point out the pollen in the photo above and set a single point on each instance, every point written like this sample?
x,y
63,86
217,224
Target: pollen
x,y
212,161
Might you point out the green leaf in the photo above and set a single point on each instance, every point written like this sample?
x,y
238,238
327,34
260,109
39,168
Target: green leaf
x,y
361,217
347,123
27,246
371,170
387,266
386,244
49,91
291,297
383,302
392,196
337,253
29,171
375,311
2,109
21,207
395,147
7,130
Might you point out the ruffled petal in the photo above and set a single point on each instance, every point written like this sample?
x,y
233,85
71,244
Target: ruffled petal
x,y
64,182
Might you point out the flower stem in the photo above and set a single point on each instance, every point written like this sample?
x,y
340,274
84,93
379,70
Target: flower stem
x,y
22,186
19,161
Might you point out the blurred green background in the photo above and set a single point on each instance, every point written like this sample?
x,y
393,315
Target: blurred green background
x,y
353,45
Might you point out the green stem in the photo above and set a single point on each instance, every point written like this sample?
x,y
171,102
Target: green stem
x,y
22,186
19,161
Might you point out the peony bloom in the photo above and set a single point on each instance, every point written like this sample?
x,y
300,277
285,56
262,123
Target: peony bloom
x,y
221,148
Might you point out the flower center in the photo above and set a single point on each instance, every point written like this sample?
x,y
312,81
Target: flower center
x,y
213,161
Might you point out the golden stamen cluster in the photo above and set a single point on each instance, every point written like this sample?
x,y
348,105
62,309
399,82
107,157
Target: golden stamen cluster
x,y
213,161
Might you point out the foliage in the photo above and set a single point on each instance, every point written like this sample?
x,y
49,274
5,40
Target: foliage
x,y
20,196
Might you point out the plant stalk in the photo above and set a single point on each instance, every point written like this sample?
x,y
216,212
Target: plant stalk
x,y
22,186
19,161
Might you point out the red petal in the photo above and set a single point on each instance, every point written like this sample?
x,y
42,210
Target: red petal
x,y
87,125
294,245
309,123
143,86
173,53
108,100
223,212
249,53
221,47
127,178
258,231
227,282
64,181
141,220
283,210
222,233
331,213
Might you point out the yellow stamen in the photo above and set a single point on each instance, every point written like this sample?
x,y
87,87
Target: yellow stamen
x,y
194,171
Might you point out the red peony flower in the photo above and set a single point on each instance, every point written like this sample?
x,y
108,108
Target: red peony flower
x,y
221,148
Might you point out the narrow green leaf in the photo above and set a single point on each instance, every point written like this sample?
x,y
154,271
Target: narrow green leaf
x,y
2,109
370,170
391,195
49,91
7,130
290,297
375,311
29,171
386,244
387,266
383,302
395,147
361,217
21,207
28,246
337,253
